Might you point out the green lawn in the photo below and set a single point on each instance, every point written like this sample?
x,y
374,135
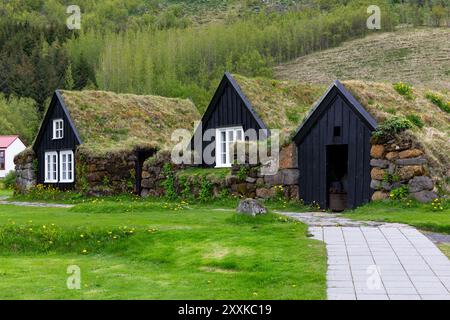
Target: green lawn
x,y
5,193
422,216
445,248
154,250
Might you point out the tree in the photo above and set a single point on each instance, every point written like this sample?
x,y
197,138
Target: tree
x,y
69,84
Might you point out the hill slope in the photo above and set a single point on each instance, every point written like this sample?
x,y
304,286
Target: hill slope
x,y
417,56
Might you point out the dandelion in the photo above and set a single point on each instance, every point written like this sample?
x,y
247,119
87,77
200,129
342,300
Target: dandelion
x,y
84,251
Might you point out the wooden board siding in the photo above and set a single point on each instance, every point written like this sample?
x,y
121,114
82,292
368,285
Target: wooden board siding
x,y
228,109
335,110
45,142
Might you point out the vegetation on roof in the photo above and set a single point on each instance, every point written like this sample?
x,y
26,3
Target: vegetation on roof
x,y
280,104
383,102
109,122
284,104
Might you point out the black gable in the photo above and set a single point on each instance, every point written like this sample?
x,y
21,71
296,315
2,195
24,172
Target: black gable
x,y
334,91
230,107
44,141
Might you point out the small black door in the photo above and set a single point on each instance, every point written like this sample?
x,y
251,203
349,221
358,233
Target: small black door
x,y
337,175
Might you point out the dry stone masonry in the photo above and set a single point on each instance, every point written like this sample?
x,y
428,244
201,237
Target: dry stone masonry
x,y
25,171
253,185
399,163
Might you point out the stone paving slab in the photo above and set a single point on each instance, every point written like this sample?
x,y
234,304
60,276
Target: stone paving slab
x,y
378,261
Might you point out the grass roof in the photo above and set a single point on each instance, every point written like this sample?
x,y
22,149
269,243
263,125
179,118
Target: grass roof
x,y
382,101
280,104
111,122
285,104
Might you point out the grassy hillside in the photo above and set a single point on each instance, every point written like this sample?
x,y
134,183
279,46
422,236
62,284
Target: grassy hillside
x,y
417,56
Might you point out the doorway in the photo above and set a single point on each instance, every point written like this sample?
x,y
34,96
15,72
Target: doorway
x,y
141,156
337,177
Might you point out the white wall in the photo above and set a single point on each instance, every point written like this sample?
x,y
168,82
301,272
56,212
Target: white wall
x,y
14,149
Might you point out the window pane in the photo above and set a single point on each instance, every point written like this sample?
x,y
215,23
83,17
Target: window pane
x,y
239,135
231,136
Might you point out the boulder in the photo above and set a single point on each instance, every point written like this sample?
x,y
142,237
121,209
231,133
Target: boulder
x,y
145,193
380,195
250,180
377,151
408,172
265,193
251,207
291,176
294,192
377,174
392,155
146,175
379,163
411,153
424,196
420,183
411,161
288,157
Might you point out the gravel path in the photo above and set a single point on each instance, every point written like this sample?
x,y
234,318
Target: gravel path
x,y
378,261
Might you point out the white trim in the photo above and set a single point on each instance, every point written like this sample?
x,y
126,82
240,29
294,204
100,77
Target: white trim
x,y
51,167
58,129
66,166
231,135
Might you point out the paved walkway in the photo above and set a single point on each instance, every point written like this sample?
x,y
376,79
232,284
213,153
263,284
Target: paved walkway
x,y
379,261
35,204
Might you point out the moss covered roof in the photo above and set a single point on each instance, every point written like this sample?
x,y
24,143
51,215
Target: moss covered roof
x,y
382,101
109,122
280,104
285,104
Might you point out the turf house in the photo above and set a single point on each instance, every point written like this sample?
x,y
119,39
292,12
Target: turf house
x,y
97,142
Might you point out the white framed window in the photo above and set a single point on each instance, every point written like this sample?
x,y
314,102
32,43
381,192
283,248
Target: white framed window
x,y
225,137
51,167
58,129
66,163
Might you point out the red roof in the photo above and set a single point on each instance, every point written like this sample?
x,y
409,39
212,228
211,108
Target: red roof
x,y
6,141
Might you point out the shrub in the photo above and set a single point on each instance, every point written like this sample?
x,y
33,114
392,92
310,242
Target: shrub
x,y
242,173
185,186
169,183
404,89
415,119
205,190
392,126
10,180
399,193
438,101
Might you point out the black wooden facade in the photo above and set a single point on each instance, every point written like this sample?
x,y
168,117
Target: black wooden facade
x,y
230,107
335,138
45,143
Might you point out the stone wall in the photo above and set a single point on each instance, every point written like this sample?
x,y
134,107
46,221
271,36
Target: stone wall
x,y
251,184
25,171
397,163
109,174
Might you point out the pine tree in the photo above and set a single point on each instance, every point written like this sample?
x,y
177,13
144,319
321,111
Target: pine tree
x,y
68,78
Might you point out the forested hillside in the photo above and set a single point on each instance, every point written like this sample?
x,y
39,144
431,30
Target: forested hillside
x,y
175,48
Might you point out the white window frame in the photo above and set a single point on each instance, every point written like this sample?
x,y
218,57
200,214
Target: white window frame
x,y
66,167
58,129
53,165
221,145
